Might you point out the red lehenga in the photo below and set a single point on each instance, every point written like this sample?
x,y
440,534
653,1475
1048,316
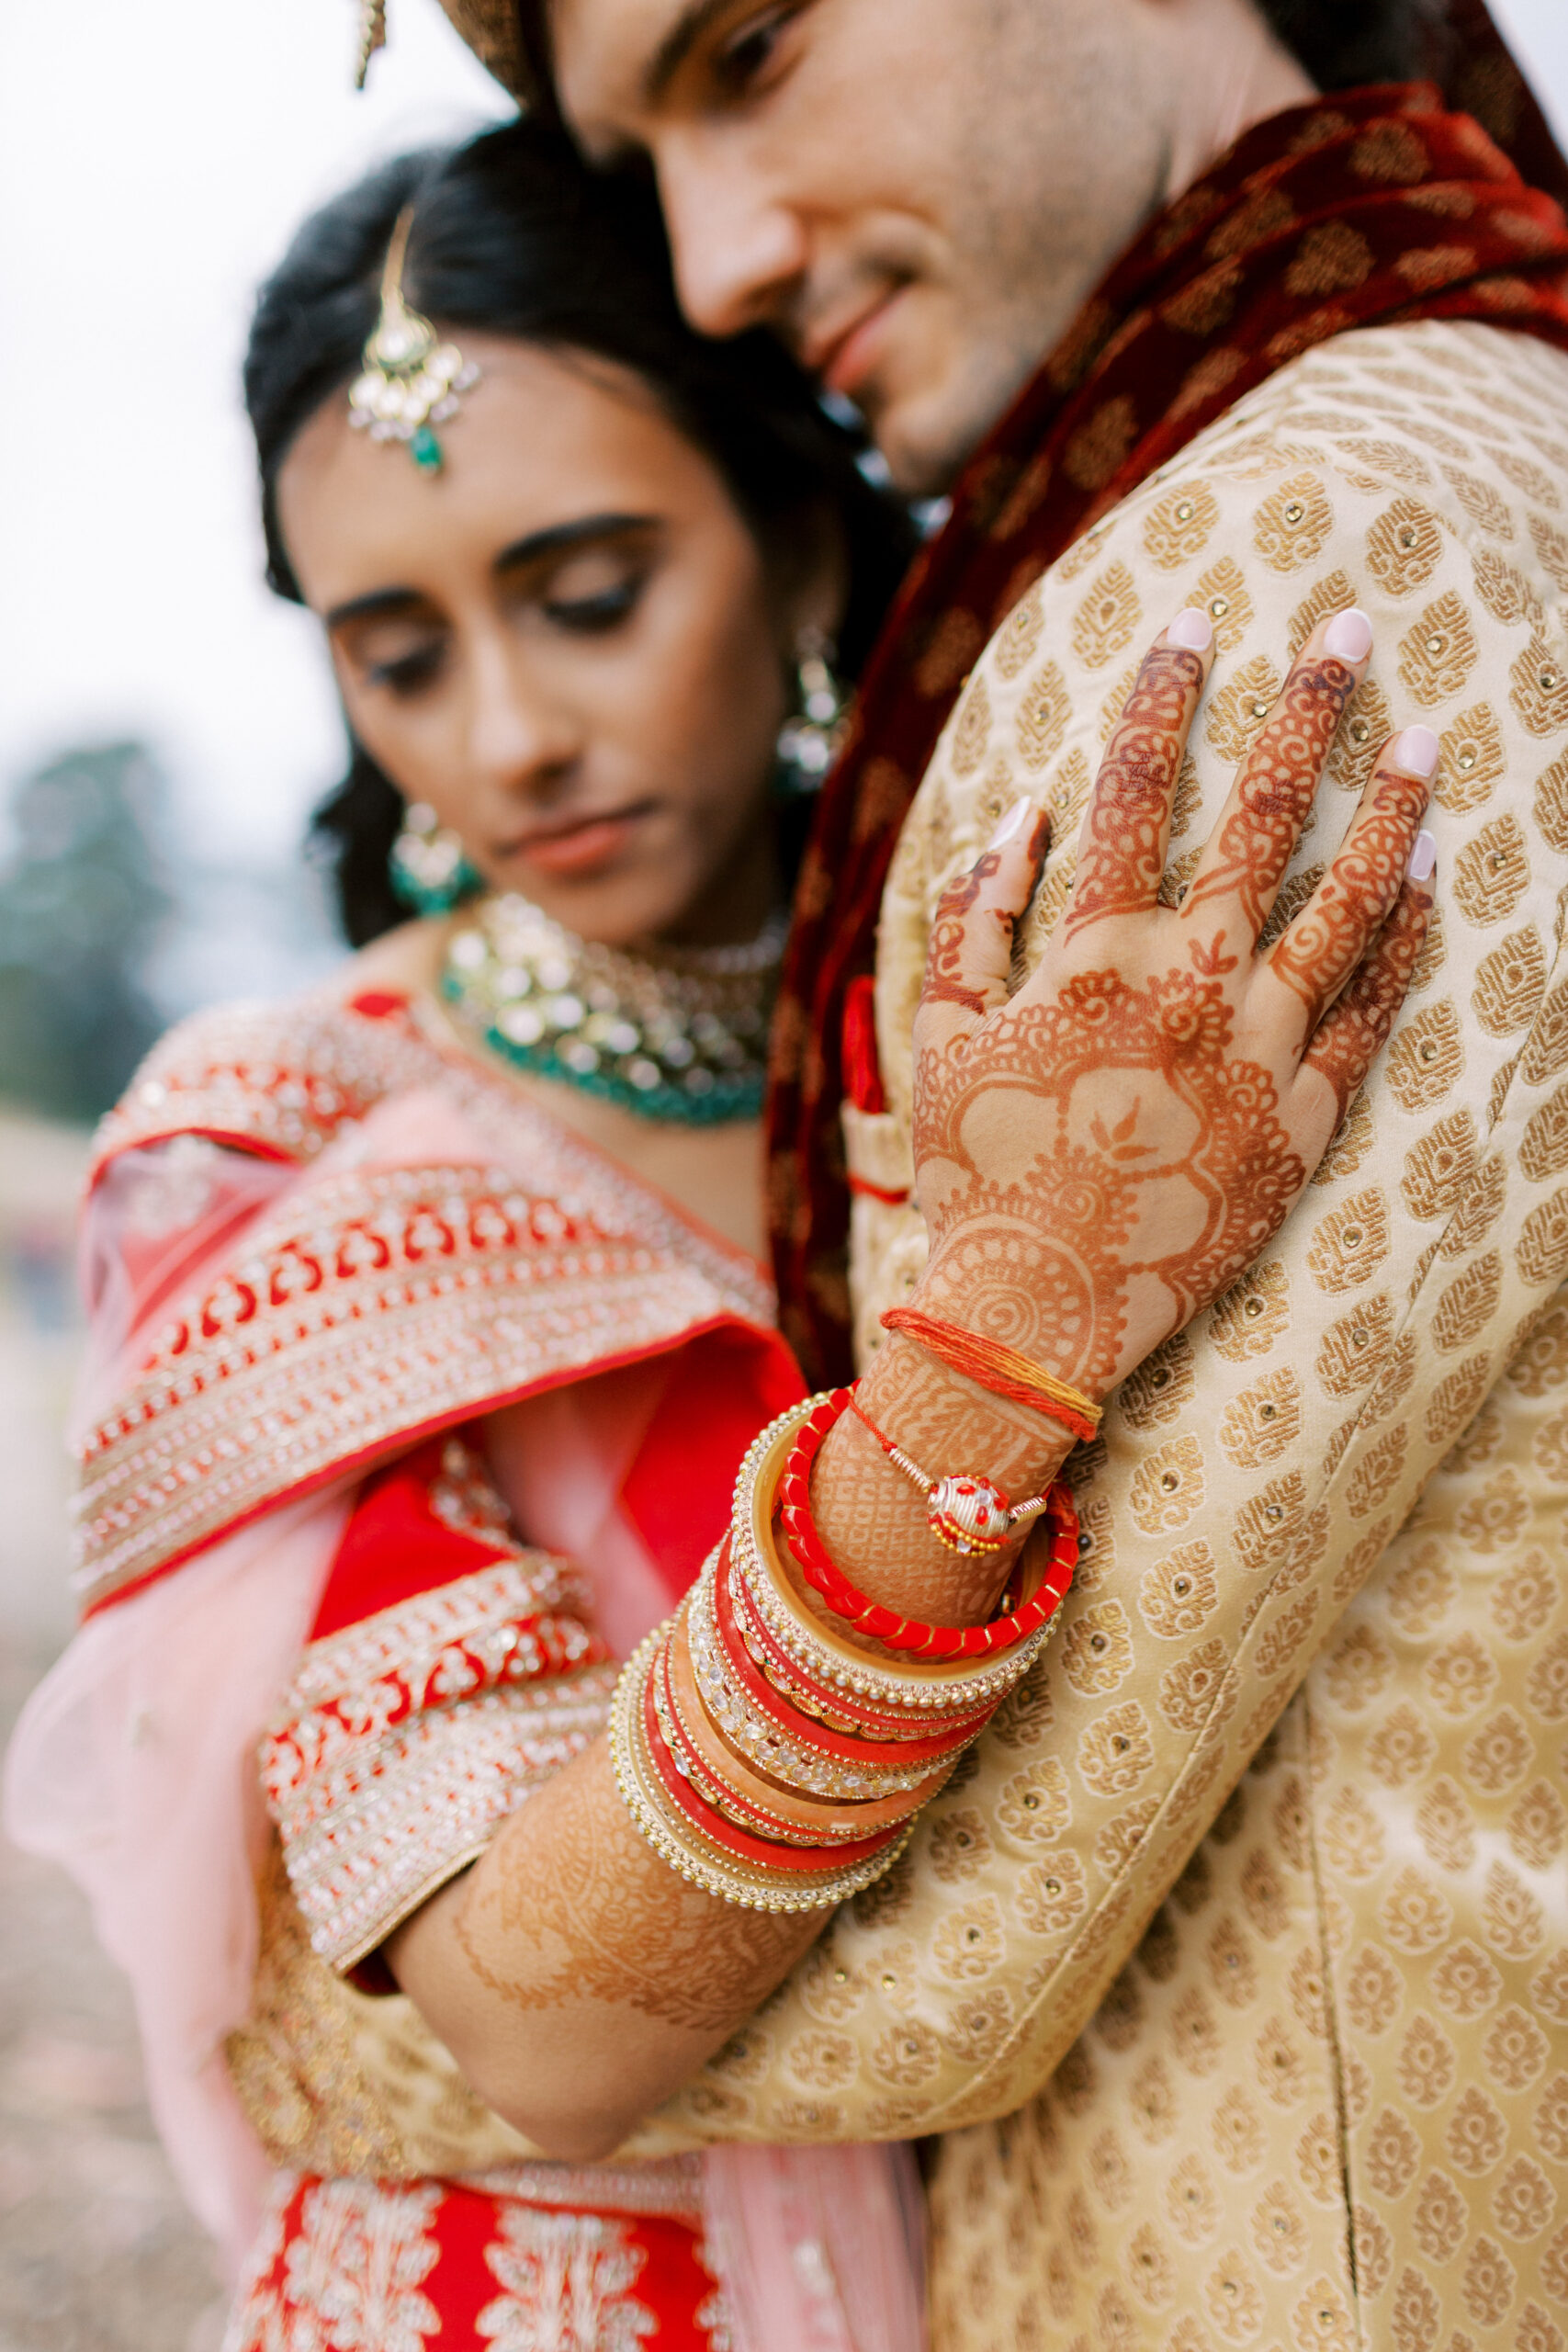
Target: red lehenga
x,y
362,1312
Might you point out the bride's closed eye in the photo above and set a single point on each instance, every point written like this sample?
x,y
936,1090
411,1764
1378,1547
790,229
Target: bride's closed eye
x,y
408,672
596,614
593,592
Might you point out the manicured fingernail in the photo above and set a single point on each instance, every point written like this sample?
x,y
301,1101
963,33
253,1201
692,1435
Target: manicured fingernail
x,y
1192,630
1423,858
1414,749
1011,822
1349,636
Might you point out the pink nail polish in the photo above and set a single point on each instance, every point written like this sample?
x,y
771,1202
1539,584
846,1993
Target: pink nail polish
x,y
1349,636
1011,822
1414,749
1423,858
1192,630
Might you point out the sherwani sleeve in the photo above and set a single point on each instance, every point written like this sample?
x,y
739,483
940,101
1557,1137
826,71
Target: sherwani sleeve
x,y
1252,1476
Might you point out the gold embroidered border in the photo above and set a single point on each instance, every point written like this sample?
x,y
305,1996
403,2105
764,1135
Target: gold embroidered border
x,y
406,1657
281,1079
383,1303
372,1838
667,2184
406,1738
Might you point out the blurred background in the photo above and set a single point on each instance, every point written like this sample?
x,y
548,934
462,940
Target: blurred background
x,y
165,726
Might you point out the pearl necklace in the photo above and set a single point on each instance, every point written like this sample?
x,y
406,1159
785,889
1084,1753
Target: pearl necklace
x,y
674,1034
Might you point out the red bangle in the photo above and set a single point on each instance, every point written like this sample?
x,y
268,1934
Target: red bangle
x,y
888,1743
837,1706
721,1832
993,1366
881,1625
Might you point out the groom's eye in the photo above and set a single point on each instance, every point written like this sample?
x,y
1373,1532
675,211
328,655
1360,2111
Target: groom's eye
x,y
740,60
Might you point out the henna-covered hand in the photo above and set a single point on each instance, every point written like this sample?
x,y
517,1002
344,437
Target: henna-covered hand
x,y
1100,1155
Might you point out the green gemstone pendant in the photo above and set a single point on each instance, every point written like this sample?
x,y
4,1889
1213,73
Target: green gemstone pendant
x,y
425,450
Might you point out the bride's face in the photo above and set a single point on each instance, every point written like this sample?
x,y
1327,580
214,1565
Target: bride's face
x,y
568,642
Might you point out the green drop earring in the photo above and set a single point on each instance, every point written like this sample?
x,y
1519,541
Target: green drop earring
x,y
429,867
411,380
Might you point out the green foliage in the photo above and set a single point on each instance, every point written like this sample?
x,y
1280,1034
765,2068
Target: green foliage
x,y
81,905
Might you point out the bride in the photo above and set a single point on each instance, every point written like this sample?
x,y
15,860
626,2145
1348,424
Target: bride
x,y
447,1795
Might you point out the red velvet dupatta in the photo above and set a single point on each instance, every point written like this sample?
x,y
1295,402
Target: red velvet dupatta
x,y
1368,208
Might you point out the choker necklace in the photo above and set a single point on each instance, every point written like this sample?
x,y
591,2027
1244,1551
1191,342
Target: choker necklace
x,y
678,1034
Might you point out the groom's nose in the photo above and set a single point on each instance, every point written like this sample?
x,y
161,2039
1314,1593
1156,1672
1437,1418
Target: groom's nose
x,y
739,252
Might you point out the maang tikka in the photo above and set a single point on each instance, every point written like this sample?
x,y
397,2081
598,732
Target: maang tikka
x,y
412,381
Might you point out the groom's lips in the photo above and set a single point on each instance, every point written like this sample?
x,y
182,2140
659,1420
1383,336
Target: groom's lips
x,y
843,360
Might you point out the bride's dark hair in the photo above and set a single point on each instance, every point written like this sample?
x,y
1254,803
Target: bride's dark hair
x,y
512,234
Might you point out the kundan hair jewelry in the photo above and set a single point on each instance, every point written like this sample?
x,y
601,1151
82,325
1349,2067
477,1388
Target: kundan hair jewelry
x,y
411,380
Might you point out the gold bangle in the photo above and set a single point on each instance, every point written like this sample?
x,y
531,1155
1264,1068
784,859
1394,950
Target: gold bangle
x,y
803,1819
680,1846
762,1741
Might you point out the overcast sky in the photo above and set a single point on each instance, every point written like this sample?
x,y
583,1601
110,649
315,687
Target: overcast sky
x,y
154,156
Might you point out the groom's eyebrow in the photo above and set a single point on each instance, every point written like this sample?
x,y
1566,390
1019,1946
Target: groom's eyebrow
x,y
678,44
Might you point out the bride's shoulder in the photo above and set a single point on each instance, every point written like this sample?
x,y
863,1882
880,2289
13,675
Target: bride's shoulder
x,y
282,1076
405,962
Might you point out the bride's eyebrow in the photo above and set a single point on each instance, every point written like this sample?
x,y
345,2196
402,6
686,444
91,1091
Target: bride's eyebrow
x,y
562,537
395,604
382,604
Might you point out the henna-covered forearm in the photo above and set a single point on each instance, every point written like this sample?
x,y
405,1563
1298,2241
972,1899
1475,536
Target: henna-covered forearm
x,y
577,1981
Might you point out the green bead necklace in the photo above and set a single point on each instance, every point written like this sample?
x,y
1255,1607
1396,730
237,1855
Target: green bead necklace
x,y
672,1034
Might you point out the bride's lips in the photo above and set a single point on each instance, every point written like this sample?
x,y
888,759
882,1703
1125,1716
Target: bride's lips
x,y
579,847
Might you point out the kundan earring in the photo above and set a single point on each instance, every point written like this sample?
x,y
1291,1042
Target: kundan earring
x,y
412,381
429,867
809,739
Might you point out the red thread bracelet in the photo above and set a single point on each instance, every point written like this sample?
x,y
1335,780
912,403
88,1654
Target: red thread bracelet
x,y
992,1364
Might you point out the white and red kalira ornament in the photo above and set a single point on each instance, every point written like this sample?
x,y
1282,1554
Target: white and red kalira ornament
x,y
972,1514
966,1512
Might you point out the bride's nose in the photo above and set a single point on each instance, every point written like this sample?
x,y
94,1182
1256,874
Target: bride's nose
x,y
523,737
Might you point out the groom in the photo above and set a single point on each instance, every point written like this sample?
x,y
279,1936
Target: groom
x,y
1233,1976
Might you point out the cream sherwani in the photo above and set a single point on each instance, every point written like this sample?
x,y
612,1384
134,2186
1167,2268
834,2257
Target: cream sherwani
x,y
1234,1967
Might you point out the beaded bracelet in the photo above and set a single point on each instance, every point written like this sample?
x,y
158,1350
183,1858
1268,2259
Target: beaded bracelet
x,y
878,1623
969,1515
992,1364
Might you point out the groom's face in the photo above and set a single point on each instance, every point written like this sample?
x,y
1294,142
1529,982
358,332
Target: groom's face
x,y
914,194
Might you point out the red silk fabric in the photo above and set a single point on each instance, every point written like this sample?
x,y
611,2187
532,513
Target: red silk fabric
x,y
1368,208
459,2266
